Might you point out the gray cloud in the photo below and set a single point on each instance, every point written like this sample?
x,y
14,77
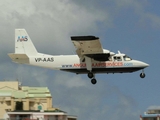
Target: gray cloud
x,y
146,18
115,8
51,22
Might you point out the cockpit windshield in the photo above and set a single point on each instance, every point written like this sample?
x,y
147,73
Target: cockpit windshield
x,y
126,58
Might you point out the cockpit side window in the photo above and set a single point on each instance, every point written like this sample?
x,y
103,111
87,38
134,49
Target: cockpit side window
x,y
126,58
117,58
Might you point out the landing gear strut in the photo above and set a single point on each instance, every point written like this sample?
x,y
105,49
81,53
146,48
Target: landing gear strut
x,y
92,77
142,75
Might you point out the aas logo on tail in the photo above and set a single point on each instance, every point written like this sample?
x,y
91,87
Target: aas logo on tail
x,y
22,38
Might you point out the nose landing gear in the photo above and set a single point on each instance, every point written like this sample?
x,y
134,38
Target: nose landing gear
x,y
92,77
142,75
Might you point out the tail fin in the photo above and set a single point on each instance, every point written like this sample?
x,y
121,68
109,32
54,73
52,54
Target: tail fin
x,y
23,47
23,43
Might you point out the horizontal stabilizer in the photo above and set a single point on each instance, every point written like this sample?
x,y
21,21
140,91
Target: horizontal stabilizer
x,y
19,58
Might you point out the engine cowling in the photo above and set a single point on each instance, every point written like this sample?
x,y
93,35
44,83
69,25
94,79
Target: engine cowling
x,y
101,56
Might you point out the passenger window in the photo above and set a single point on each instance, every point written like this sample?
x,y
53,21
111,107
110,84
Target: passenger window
x,y
117,58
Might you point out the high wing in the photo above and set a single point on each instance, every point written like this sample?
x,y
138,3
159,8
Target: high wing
x,y
91,47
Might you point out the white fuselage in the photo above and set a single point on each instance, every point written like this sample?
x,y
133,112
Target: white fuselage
x,y
72,63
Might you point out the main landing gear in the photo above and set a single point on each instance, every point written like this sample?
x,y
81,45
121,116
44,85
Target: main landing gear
x,y
92,77
142,75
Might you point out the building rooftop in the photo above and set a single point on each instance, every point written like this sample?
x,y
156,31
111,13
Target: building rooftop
x,y
55,110
151,113
12,89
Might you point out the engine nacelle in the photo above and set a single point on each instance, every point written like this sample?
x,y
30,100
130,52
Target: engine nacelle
x,y
106,51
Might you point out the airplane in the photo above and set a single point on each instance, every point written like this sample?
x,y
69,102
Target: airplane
x,y
91,58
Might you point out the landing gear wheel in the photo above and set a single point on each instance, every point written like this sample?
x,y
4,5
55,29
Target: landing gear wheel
x,y
93,81
90,75
142,75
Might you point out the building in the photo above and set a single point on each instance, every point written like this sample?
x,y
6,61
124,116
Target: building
x,y
27,100
151,114
40,115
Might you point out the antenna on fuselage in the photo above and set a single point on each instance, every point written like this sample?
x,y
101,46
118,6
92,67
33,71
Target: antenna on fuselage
x,y
119,52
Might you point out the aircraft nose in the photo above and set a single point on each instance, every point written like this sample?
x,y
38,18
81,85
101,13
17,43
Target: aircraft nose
x,y
145,64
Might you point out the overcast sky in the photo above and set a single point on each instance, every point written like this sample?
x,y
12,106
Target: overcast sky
x,y
131,26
